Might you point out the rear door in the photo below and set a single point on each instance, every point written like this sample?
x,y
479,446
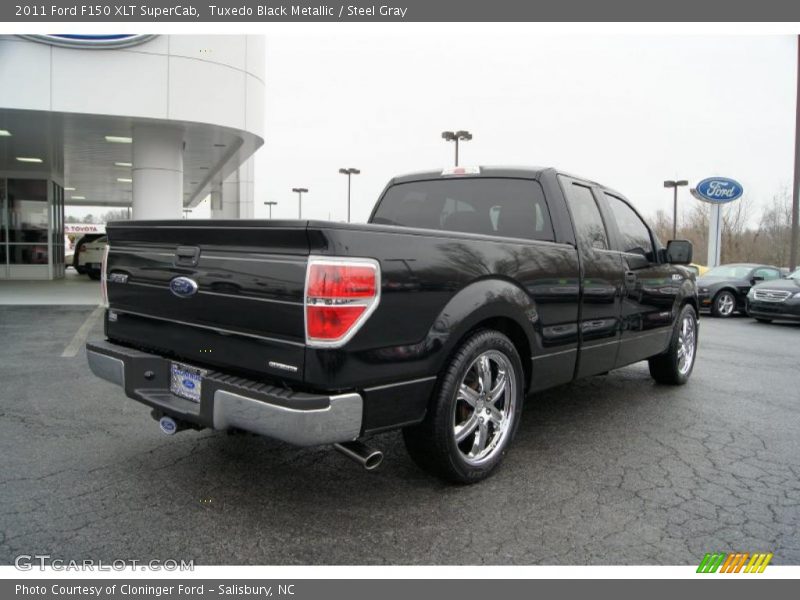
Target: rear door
x,y
601,280
650,288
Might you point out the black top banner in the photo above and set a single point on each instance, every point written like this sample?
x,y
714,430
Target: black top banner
x,y
199,11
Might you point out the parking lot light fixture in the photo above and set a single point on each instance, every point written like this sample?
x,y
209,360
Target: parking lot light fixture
x,y
349,172
300,191
675,184
456,136
270,204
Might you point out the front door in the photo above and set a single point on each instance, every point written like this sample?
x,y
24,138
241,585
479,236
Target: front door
x,y
650,288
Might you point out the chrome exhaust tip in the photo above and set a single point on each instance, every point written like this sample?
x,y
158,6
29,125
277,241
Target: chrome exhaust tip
x,y
367,457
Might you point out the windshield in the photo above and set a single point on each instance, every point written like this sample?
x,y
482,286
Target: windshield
x,y
795,275
730,272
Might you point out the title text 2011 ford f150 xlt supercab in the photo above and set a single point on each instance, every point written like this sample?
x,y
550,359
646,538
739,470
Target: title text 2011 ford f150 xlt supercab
x,y
467,290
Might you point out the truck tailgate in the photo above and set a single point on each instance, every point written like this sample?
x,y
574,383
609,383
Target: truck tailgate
x,y
245,313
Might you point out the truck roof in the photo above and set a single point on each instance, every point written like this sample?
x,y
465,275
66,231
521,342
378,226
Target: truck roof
x,y
484,171
533,172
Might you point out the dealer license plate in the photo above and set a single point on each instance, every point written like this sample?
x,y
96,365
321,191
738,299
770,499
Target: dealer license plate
x,y
186,381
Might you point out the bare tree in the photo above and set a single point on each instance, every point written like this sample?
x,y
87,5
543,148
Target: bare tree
x,y
768,243
775,229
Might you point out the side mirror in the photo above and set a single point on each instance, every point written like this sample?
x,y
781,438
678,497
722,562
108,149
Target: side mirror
x,y
679,252
757,278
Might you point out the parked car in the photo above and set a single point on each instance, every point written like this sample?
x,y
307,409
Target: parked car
x,y
723,290
467,289
698,270
79,245
90,257
776,300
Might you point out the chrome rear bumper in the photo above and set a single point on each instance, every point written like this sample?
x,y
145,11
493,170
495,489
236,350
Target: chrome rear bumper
x,y
227,402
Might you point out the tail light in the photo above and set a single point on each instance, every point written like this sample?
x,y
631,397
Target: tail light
x,y
340,296
104,276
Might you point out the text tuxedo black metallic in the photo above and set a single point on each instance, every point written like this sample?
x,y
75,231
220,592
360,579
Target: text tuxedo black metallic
x,y
467,290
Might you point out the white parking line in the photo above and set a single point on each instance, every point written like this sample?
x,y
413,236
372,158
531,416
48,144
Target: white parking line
x,y
79,339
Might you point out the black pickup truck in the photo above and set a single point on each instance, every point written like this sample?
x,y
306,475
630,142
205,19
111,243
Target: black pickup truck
x,y
467,290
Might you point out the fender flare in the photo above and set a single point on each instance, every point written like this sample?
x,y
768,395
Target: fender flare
x,y
479,301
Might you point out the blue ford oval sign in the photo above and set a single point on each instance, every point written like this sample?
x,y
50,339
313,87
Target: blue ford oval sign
x,y
183,287
719,190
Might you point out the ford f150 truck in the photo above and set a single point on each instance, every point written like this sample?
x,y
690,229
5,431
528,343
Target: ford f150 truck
x,y
467,290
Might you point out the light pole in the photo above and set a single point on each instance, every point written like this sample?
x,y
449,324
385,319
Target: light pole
x,y
187,212
270,204
671,183
795,239
456,136
300,192
349,172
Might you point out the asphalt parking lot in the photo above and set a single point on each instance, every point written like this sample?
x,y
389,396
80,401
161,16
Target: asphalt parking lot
x,y
611,470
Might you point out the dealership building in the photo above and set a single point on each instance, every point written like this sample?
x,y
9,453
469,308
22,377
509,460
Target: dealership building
x,y
154,123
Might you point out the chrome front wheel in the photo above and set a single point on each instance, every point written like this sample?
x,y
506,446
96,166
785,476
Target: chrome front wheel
x,y
674,366
687,343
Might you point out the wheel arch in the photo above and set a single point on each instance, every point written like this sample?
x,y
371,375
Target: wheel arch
x,y
497,304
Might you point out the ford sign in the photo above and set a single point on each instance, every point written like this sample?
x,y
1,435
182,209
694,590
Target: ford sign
x,y
183,287
719,190
99,42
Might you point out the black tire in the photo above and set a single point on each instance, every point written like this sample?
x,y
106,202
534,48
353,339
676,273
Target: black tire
x,y
432,443
760,320
719,306
667,367
94,274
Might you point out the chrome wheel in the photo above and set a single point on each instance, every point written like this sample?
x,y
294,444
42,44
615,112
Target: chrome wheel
x,y
687,344
485,407
725,304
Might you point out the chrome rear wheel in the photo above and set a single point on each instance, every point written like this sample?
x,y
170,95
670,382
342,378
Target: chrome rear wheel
x,y
484,407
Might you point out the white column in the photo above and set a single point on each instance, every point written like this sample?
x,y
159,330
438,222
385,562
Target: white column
x,y
237,194
215,199
247,189
230,197
157,172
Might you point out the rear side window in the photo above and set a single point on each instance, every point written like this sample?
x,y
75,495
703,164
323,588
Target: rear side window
x,y
492,206
635,236
589,226
767,273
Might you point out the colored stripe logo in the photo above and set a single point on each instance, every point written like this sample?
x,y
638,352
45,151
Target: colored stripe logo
x,y
736,562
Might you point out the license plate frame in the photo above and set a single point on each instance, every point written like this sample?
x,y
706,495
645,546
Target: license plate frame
x,y
186,381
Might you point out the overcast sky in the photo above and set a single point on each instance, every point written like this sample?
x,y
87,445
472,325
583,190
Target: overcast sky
x,y
628,111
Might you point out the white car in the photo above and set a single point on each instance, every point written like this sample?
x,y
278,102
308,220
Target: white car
x,y
90,258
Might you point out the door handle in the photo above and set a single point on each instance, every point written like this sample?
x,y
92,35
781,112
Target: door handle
x,y
630,278
187,256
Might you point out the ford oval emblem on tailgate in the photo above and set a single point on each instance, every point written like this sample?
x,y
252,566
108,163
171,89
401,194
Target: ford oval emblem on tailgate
x,y
183,287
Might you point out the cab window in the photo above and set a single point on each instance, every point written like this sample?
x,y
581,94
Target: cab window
x,y
589,226
634,234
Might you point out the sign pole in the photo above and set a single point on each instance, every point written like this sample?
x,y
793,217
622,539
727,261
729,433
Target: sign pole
x,y
714,235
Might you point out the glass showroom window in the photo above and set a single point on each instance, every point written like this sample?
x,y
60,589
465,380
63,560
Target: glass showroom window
x,y
28,221
3,230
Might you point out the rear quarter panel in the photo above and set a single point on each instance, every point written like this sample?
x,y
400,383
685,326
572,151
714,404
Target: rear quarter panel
x,y
436,287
